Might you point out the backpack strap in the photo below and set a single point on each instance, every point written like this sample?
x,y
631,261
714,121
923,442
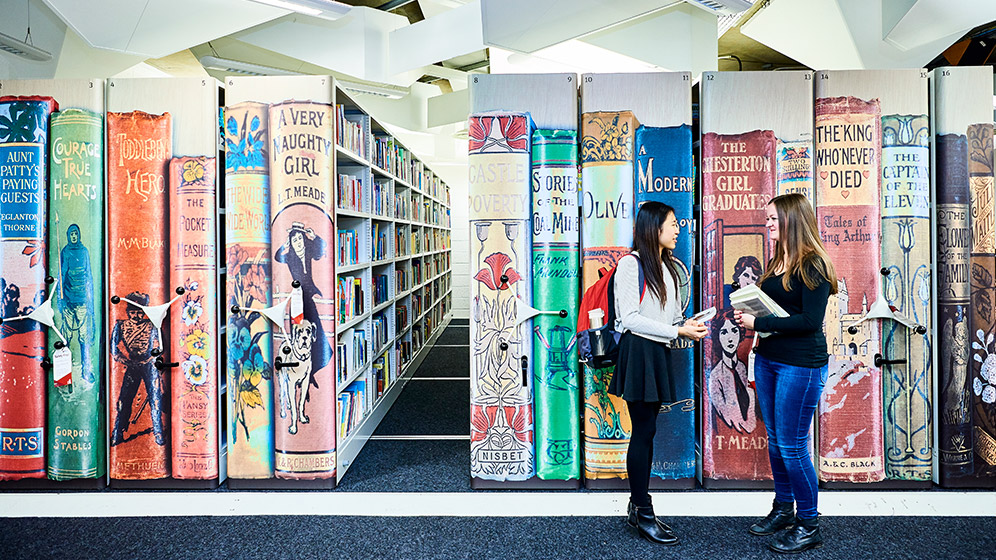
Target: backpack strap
x,y
610,292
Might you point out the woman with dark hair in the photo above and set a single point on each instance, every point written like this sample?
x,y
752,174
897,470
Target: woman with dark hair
x,y
728,392
648,320
301,248
790,367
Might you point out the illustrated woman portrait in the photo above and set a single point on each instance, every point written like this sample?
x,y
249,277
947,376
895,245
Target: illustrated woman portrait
x,y
729,394
302,248
745,273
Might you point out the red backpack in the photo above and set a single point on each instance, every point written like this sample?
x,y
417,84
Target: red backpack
x,y
598,296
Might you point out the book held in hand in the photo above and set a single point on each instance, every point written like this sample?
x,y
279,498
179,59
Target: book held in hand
x,y
757,303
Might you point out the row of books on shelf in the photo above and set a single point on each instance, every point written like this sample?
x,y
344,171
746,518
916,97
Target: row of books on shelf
x,y
381,248
349,247
352,406
351,353
416,307
360,396
349,195
401,242
417,272
380,330
349,297
381,289
393,158
401,279
401,317
402,205
351,128
380,202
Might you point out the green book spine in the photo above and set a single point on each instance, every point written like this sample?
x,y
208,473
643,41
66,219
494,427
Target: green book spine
x,y
556,268
75,259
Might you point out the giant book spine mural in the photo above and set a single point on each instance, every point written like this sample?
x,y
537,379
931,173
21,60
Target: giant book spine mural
x,y
247,259
194,321
607,216
905,207
664,174
983,297
302,224
501,405
738,179
555,262
23,170
76,436
954,243
848,144
795,167
139,147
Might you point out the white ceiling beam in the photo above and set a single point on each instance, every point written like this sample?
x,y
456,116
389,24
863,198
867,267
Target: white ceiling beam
x,y
156,28
849,34
527,26
923,21
447,35
679,38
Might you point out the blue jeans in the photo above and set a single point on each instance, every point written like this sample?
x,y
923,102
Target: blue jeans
x,y
788,396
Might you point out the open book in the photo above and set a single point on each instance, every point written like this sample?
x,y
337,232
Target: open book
x,y
757,303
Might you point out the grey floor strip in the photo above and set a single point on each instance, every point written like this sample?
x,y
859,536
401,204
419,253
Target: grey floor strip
x,y
440,379
451,346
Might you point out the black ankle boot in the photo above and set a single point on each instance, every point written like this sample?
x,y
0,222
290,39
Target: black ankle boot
x,y
646,525
782,515
631,518
803,535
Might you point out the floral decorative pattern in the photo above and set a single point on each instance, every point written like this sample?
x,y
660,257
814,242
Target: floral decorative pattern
x,y
247,151
193,171
491,275
35,250
984,385
510,135
244,353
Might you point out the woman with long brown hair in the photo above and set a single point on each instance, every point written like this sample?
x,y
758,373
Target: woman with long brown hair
x,y
649,320
790,367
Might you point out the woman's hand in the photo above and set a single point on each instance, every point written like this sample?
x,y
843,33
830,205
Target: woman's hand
x,y
745,320
693,329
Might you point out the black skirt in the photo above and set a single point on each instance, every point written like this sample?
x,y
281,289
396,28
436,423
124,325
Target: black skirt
x,y
643,371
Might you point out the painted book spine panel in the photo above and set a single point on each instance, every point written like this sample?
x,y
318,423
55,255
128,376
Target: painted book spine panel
x,y
247,259
302,215
739,176
193,319
556,286
23,171
607,216
664,173
848,174
795,168
906,240
983,260
954,245
76,417
501,406
139,147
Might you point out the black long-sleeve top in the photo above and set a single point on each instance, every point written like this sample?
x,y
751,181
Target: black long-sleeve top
x,y
798,339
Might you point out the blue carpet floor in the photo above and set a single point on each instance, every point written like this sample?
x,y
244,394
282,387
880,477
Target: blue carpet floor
x,y
305,537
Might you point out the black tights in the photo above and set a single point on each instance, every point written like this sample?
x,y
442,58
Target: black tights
x,y
641,449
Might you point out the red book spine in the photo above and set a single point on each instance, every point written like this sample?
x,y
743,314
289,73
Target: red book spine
x,y
193,319
848,168
23,169
738,179
139,146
